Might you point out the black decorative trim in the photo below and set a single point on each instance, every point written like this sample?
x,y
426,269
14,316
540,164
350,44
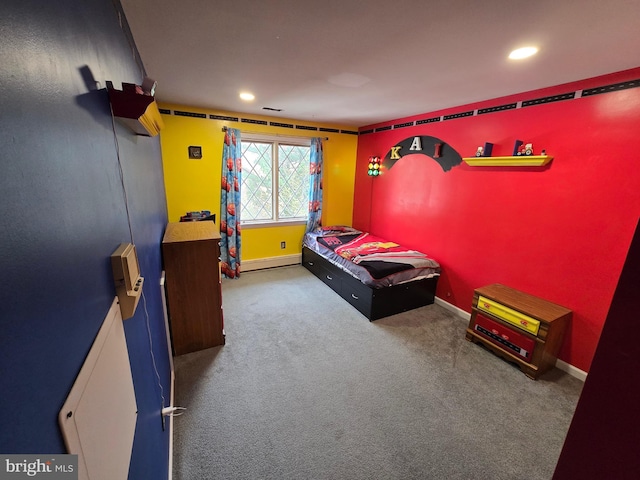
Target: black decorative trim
x,y
552,98
329,130
182,113
306,127
427,120
278,124
499,108
459,115
166,111
402,125
223,117
509,106
349,132
255,122
611,88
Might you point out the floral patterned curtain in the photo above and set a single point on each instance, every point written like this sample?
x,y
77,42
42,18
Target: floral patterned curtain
x,y
230,242
315,185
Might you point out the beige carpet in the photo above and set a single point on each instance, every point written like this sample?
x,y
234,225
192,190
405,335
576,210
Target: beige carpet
x,y
308,388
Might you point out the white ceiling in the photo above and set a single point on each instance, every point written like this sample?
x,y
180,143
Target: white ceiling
x,y
360,62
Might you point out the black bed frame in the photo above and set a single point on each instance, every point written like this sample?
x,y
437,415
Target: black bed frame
x,y
373,303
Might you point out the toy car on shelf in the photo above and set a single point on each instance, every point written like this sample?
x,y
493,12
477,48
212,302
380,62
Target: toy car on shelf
x,y
525,149
484,151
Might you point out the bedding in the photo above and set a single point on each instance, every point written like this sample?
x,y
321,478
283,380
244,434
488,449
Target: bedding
x,y
374,261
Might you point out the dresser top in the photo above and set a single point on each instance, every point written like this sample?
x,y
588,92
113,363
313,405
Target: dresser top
x,y
191,231
531,305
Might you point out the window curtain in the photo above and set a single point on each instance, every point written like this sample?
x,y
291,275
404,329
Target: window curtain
x,y
230,240
315,185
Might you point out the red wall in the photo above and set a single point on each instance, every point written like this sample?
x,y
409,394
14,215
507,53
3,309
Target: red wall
x,y
560,232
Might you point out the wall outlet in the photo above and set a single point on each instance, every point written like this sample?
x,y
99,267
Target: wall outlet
x,y
283,244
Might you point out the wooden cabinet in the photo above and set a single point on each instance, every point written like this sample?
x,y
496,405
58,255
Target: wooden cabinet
x,y
518,327
191,252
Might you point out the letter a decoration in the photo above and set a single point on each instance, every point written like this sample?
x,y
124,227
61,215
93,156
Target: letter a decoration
x,y
432,147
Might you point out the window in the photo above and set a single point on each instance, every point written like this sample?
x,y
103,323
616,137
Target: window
x,y
275,179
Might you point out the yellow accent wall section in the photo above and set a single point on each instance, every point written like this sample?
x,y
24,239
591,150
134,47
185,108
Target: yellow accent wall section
x,y
265,242
193,185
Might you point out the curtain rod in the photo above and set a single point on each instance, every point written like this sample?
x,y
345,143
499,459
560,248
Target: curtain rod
x,y
224,129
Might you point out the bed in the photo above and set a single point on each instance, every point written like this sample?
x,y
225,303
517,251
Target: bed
x,y
378,277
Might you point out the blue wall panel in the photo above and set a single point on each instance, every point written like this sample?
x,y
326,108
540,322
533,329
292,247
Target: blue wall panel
x,y
63,213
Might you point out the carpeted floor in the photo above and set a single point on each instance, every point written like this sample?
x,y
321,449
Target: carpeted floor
x,y
308,388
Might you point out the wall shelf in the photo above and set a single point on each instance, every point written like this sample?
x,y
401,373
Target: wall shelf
x,y
136,110
515,161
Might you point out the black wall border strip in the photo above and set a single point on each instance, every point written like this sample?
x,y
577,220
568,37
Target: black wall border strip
x,y
253,121
499,108
459,115
228,118
223,117
182,113
428,120
403,125
550,99
614,87
278,124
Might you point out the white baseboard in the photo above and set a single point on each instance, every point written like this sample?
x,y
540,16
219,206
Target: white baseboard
x,y
171,371
571,370
452,308
560,364
281,261
170,418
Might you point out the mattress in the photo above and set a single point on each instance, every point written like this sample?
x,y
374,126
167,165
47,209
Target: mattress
x,y
374,261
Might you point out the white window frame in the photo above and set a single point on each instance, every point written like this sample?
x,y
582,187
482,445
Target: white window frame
x,y
274,140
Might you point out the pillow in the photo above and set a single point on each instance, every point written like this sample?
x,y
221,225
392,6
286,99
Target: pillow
x,y
337,229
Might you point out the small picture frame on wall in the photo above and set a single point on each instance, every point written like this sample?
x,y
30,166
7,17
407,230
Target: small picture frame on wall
x,y
195,152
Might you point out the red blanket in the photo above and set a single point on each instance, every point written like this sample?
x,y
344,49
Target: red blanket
x,y
380,257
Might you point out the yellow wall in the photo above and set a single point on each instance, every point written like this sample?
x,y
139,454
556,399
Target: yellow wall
x,y
193,185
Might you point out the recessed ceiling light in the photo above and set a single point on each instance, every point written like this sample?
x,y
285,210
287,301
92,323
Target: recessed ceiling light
x,y
523,52
247,97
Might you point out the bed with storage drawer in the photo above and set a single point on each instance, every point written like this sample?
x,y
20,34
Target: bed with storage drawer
x,y
378,277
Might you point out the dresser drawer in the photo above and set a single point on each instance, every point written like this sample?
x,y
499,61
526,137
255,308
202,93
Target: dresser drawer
x,y
505,338
520,320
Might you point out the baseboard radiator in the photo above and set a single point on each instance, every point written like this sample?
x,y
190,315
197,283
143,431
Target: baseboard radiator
x,y
280,261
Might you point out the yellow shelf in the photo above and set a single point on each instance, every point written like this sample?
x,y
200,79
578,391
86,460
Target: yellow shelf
x,y
517,161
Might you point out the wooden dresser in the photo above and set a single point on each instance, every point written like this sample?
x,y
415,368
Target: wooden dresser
x,y
518,327
191,252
